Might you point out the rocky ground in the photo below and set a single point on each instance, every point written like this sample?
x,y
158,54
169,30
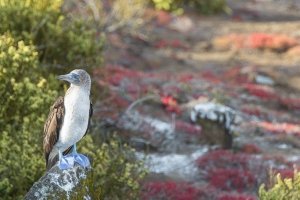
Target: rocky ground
x,y
183,87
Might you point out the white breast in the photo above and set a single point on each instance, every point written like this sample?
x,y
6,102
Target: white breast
x,y
77,106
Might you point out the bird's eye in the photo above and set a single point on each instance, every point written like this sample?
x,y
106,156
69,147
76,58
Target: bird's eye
x,y
75,76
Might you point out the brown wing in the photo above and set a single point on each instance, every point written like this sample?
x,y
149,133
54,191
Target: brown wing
x,y
52,126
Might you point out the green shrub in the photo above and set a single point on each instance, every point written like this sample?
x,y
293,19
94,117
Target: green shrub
x,y
284,189
60,41
209,7
41,35
115,172
203,6
112,16
25,96
168,5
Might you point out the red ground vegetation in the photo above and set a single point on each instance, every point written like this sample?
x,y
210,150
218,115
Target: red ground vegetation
x,y
261,91
271,41
279,128
230,171
291,103
285,173
175,43
251,149
236,197
170,104
223,159
211,76
188,128
220,171
275,42
170,190
126,85
231,179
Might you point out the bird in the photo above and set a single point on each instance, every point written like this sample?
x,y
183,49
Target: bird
x,y
68,122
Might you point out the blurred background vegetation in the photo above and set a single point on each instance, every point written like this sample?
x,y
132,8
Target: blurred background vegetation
x,y
203,6
38,40
42,38
281,188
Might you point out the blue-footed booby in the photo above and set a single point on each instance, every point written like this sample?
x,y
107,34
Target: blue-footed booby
x,y
68,122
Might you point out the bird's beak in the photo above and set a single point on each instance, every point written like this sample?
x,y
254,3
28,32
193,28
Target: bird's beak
x,y
71,78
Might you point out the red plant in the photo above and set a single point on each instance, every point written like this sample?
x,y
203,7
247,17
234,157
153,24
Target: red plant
x,y
263,92
236,197
185,78
231,179
170,104
232,72
116,74
260,40
285,128
271,41
285,173
277,42
291,103
223,159
175,43
163,18
251,149
170,190
226,170
210,76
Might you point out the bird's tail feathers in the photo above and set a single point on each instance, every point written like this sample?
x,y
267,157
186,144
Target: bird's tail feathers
x,y
52,158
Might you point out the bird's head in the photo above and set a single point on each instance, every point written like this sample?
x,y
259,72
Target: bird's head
x,y
78,77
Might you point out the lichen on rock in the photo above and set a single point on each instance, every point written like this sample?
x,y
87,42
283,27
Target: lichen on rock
x,y
58,184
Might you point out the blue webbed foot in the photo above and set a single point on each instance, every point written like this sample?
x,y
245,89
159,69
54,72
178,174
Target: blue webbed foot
x,y
81,160
66,162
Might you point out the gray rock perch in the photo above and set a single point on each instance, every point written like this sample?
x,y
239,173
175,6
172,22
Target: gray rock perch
x,y
58,184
